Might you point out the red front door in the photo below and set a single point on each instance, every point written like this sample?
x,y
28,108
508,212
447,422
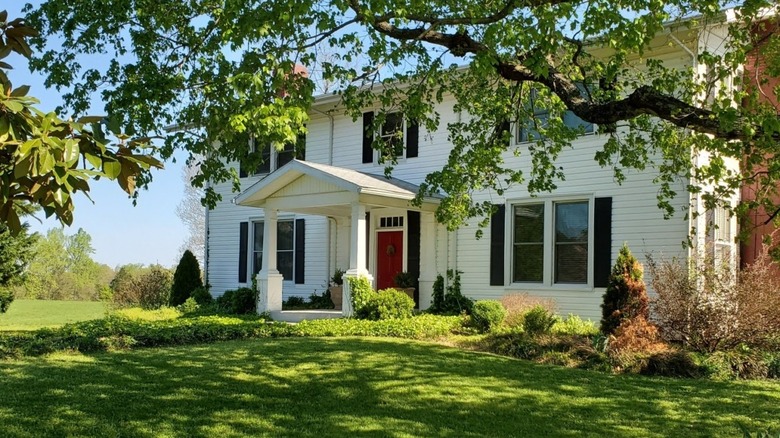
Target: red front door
x,y
390,257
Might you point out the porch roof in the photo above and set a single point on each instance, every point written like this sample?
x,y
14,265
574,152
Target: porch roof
x,y
313,188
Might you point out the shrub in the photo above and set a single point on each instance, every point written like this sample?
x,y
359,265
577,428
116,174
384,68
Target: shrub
x,y
636,335
709,308
188,306
453,302
138,314
202,296
739,363
626,294
538,321
186,278
487,315
239,301
574,325
391,304
320,301
672,364
361,294
566,350
518,304
149,287
6,298
417,327
294,303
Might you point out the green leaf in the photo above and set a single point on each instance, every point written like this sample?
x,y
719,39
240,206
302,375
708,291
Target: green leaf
x,y
112,169
14,106
20,91
95,161
71,154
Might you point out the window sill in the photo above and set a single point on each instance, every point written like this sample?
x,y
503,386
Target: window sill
x,y
562,287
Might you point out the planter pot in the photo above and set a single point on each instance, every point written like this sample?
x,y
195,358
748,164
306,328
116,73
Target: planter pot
x,y
409,291
336,295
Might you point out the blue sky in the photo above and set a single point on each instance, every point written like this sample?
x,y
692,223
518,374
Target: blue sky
x,y
148,233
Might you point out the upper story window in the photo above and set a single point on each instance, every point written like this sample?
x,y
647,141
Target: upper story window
x,y
551,242
531,130
398,135
273,158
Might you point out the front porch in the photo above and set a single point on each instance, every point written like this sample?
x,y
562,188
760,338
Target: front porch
x,y
381,232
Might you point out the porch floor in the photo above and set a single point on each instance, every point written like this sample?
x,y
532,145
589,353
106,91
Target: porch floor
x,y
300,315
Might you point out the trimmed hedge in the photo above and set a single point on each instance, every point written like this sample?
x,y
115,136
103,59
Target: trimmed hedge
x,y
117,332
488,315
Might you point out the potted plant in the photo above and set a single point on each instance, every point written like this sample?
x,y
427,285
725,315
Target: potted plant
x,y
406,282
336,288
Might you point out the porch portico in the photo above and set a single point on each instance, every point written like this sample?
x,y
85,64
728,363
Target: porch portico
x,y
345,196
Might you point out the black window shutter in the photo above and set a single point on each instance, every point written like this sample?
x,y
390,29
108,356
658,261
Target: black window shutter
x,y
412,139
241,170
243,241
497,234
602,241
368,137
300,250
413,249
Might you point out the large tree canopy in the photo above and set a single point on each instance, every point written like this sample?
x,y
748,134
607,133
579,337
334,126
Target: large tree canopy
x,y
220,70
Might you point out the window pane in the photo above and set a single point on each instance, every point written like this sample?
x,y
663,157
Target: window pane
x,y
257,263
529,262
529,243
571,222
573,121
284,235
393,133
265,166
285,155
529,223
571,263
284,264
529,132
571,242
258,245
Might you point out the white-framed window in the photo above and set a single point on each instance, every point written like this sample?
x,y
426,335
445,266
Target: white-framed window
x,y
273,158
393,134
552,241
285,247
530,130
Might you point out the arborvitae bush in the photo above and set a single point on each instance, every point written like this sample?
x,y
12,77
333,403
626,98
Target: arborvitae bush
x,y
626,295
185,279
487,315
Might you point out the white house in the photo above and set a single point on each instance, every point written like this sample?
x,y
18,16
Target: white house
x,y
297,220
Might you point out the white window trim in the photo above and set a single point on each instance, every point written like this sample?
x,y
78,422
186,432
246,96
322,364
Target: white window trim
x,y
251,244
402,158
548,280
516,127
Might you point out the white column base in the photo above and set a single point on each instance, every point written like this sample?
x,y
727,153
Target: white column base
x,y
346,306
426,293
269,291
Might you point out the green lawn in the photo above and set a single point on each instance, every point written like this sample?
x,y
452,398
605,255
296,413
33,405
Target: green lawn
x,y
35,314
358,387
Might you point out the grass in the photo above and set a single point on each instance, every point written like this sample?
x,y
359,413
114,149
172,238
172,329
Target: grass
x,y
34,314
358,387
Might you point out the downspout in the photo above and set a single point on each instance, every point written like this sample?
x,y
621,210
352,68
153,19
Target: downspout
x,y
206,244
330,137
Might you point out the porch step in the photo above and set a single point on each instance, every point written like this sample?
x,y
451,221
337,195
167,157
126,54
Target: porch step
x,y
301,315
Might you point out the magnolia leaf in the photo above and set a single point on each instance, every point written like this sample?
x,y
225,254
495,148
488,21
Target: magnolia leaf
x,y
5,50
5,65
95,161
3,16
20,91
90,119
10,218
112,169
46,162
13,106
71,154
22,168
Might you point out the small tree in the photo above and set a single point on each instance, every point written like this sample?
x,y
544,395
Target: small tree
x,y
626,295
186,278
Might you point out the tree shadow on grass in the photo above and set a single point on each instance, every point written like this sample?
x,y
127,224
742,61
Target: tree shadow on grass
x,y
358,387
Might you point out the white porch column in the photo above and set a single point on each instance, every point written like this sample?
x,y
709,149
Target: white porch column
x,y
269,280
428,269
357,254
